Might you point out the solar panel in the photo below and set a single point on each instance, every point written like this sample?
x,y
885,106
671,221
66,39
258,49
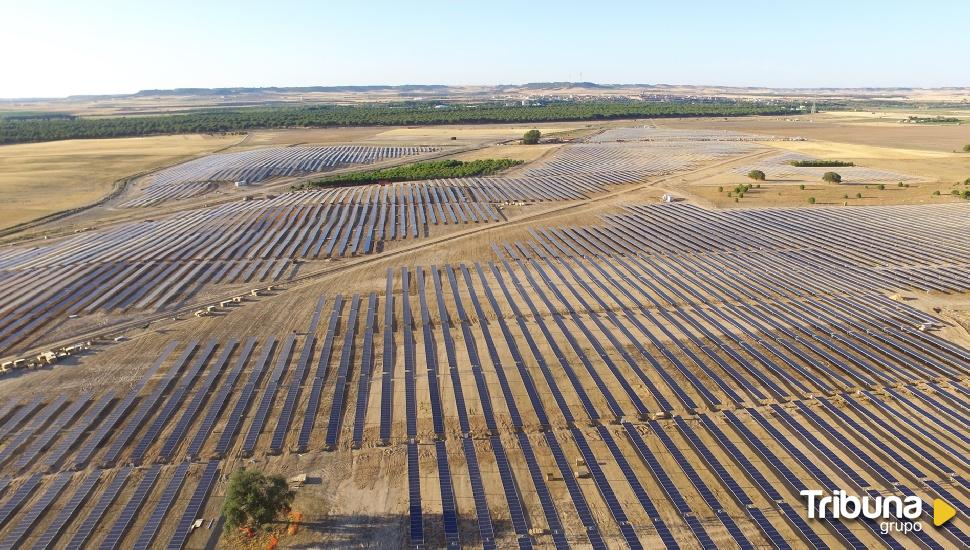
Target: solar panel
x,y
146,406
416,529
194,508
234,421
81,536
68,511
606,491
449,510
340,385
35,423
269,395
192,409
127,517
65,444
296,382
366,370
16,535
173,401
218,402
164,503
17,499
387,361
583,511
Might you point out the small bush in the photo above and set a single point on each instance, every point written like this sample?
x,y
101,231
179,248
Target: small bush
x,y
811,200
966,193
882,187
936,193
845,196
720,188
966,148
900,184
858,195
802,187
757,175
831,177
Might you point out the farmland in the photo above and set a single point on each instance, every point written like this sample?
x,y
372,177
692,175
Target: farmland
x,y
546,358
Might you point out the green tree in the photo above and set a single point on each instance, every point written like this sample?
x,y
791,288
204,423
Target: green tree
x,y
811,200
757,175
858,195
254,499
531,137
802,187
831,177
966,148
882,186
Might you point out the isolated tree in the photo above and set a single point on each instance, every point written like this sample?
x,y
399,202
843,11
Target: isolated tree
x,y
757,175
811,200
858,195
831,177
966,148
254,499
882,186
531,137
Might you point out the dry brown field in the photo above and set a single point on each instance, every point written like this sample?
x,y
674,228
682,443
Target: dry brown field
x,y
38,179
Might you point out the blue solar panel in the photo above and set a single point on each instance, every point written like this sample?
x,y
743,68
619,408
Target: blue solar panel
x,y
218,402
28,520
194,508
296,383
416,530
17,499
366,370
67,512
107,498
343,373
154,522
124,521
234,421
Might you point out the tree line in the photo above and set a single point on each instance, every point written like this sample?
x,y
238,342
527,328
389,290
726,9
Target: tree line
x,y
435,169
51,128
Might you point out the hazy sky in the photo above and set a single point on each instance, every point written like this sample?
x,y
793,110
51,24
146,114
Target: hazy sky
x,y
56,48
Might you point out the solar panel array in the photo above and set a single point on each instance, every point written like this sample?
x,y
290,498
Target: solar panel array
x,y
779,167
198,176
671,376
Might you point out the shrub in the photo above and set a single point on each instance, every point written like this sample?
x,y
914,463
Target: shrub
x,y
858,195
254,499
845,196
802,187
966,148
720,188
936,193
757,175
531,137
831,177
882,187
811,200
966,193
900,184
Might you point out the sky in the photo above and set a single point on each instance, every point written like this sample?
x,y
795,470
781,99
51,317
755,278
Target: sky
x,y
54,48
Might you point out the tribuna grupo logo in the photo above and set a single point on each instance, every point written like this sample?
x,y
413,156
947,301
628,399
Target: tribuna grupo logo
x,y
897,513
